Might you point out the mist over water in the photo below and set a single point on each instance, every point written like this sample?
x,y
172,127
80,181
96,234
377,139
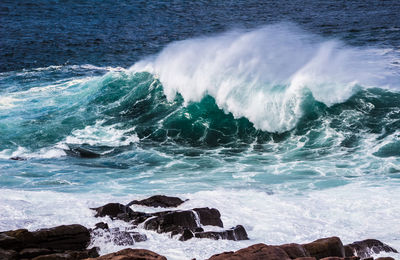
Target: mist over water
x,y
300,130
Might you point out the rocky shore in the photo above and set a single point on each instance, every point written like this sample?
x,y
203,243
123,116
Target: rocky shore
x,y
72,241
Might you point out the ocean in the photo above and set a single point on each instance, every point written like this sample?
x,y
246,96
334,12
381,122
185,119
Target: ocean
x,y
284,115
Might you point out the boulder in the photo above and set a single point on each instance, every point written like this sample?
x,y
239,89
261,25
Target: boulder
x,y
385,258
33,252
186,235
254,252
101,225
209,216
69,255
8,254
325,247
131,254
172,221
295,250
235,233
306,258
158,201
66,237
367,247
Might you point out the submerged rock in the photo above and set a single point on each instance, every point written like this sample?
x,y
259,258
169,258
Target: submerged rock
x,y
158,201
81,152
325,247
366,248
131,254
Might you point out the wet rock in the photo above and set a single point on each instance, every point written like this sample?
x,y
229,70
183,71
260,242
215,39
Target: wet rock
x,y
295,250
235,233
385,258
254,252
367,247
112,210
158,201
123,238
33,252
131,254
186,235
325,247
306,258
209,216
341,258
172,221
8,254
348,251
66,237
101,225
68,255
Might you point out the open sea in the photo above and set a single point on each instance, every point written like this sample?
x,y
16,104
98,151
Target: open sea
x,y
284,115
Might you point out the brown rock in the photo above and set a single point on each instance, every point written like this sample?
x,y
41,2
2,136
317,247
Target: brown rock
x,y
306,258
385,258
8,254
294,250
325,247
66,237
365,247
33,252
131,254
254,252
172,221
158,201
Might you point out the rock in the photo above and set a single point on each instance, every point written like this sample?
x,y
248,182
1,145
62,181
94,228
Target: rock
x,y
33,252
69,255
294,250
81,152
209,216
112,210
186,235
235,233
66,237
101,225
306,258
131,254
364,248
158,201
8,254
18,158
385,258
341,258
348,251
172,221
325,247
254,252
123,238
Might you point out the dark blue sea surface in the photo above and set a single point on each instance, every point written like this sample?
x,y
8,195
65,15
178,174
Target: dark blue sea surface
x,y
246,104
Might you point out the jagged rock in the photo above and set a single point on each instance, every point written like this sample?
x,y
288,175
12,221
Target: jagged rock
x,y
112,210
209,216
66,237
172,221
131,254
235,233
186,235
295,250
367,247
325,247
254,252
158,201
101,225
8,254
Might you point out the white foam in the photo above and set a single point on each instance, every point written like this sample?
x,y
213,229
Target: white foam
x,y
353,212
262,74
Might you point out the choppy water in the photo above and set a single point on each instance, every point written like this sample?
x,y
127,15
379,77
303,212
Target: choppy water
x,y
288,112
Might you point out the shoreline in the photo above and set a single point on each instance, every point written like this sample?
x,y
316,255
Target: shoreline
x,y
183,225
